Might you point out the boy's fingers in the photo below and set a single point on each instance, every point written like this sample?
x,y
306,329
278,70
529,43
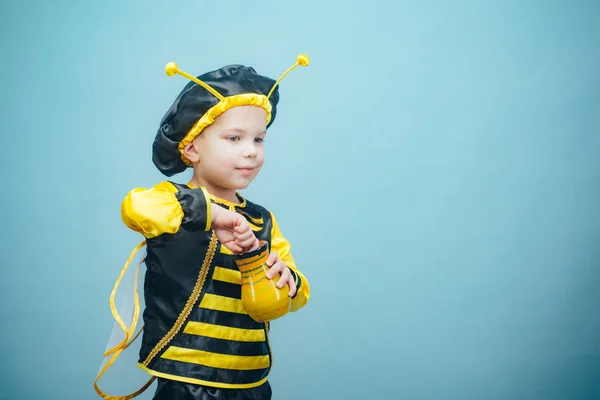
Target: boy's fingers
x,y
240,224
275,269
285,277
234,247
272,258
292,285
244,236
246,243
242,227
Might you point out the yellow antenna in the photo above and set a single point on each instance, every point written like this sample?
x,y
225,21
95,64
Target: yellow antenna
x,y
302,59
172,69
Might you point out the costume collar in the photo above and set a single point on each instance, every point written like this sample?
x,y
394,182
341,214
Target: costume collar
x,y
224,202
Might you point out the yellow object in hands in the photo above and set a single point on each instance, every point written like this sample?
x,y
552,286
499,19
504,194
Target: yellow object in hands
x,y
261,298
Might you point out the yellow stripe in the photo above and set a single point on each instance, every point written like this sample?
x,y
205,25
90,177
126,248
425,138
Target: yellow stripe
x,y
216,360
224,332
227,275
252,260
225,250
222,303
203,382
255,228
208,209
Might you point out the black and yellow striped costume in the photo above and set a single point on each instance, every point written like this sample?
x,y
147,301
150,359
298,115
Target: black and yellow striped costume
x,y
196,329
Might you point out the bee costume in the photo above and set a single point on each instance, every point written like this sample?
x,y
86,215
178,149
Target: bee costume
x,y
197,338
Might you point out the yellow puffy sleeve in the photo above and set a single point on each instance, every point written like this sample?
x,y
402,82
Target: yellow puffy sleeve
x,y
281,245
164,208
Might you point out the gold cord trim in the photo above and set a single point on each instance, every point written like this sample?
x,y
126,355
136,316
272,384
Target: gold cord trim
x,y
187,309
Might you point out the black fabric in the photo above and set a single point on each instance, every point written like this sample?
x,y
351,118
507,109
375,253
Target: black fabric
x,y
173,390
194,205
193,102
223,346
224,318
233,290
228,263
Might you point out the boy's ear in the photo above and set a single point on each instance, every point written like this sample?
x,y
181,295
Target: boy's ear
x,y
191,153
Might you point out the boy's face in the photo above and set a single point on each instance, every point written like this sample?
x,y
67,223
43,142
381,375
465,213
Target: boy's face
x,y
229,153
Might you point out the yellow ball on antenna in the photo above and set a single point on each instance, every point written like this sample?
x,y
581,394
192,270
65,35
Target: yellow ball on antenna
x,y
303,60
171,68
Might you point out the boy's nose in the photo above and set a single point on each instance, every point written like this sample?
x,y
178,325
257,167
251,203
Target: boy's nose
x,y
250,151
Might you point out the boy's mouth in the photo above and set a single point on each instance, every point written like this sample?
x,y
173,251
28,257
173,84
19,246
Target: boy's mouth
x,y
246,170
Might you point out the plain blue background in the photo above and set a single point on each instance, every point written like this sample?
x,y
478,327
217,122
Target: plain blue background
x,y
436,168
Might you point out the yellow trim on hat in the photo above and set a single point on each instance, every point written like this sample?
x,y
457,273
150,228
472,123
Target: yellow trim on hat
x,y
244,99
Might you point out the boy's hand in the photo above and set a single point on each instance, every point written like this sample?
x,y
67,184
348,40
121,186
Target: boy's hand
x,y
277,266
232,230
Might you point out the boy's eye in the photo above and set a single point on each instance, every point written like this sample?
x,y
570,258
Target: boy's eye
x,y
259,140
233,138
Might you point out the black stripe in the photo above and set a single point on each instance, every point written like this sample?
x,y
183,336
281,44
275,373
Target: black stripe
x,y
222,346
225,318
251,215
225,289
228,262
202,372
298,285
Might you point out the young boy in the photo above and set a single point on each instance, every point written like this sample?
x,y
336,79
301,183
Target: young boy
x,y
197,338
